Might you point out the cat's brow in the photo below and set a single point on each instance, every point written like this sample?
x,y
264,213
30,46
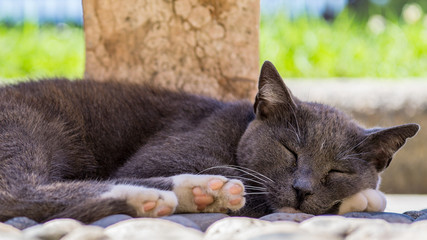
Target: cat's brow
x,y
351,149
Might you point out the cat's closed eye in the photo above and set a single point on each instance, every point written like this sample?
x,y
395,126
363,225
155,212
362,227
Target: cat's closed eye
x,y
291,153
340,171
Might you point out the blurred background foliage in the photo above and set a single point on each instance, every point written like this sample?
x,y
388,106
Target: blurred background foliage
x,y
304,38
338,38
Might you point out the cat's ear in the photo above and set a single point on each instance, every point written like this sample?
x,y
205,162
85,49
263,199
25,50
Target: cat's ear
x,y
273,96
382,143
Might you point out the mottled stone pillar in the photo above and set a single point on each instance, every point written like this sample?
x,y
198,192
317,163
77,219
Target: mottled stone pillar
x,y
201,46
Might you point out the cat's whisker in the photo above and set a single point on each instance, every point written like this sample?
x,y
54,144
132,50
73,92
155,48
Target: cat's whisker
x,y
257,193
247,179
234,168
356,154
354,158
256,188
293,130
251,170
296,122
259,206
351,149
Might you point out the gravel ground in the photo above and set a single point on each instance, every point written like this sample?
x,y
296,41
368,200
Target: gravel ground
x,y
212,226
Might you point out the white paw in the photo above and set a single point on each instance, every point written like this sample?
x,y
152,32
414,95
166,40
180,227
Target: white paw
x,y
148,202
208,193
368,200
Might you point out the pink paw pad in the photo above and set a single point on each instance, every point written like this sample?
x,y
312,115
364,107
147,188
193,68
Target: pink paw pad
x,y
148,206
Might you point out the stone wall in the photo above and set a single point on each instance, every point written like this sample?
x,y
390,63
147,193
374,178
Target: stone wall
x,y
202,46
382,103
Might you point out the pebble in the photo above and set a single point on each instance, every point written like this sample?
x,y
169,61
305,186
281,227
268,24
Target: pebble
x,y
151,228
110,220
353,226
421,218
387,216
52,230
415,214
9,232
203,220
21,223
87,233
183,221
294,217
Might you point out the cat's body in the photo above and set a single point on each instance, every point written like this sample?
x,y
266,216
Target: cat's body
x,y
87,149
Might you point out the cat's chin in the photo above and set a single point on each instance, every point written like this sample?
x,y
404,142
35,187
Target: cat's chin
x,y
288,210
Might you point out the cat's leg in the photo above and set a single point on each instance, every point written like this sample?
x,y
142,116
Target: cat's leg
x,y
86,201
198,193
368,200
147,202
208,193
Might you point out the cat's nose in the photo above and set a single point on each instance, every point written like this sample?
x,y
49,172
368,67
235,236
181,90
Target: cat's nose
x,y
303,188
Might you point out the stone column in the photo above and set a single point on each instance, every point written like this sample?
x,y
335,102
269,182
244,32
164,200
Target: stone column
x,y
202,46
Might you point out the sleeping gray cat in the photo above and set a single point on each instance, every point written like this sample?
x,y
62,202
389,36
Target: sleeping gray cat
x,y
86,150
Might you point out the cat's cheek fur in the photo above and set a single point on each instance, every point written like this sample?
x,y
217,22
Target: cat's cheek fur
x,y
148,202
224,197
368,200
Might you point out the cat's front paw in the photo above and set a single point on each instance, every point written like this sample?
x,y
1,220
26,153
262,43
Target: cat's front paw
x,y
208,193
147,202
368,200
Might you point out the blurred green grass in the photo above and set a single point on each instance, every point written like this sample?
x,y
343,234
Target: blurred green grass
x,y
303,47
29,51
346,47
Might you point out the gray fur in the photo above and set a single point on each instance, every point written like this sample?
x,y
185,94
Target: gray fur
x,y
63,144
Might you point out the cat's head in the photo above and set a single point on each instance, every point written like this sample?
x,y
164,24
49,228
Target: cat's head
x,y
314,154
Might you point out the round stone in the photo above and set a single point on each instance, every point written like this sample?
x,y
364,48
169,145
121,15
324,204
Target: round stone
x,y
359,214
110,220
227,228
21,223
51,230
389,217
8,232
241,228
328,225
151,228
87,233
421,218
415,214
375,229
294,217
183,221
203,220
291,236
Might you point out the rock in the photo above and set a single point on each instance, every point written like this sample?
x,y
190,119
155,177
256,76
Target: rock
x,y
204,220
421,218
51,230
110,220
415,214
294,217
240,228
227,228
87,233
183,221
330,225
374,229
359,214
21,222
151,228
417,230
389,217
9,232
289,236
